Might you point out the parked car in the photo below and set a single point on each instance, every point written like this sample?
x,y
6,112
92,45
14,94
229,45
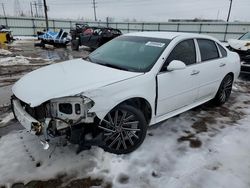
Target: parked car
x,y
94,37
242,47
57,39
131,82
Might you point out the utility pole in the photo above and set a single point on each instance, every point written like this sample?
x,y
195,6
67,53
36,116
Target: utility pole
x,y
46,15
94,6
31,10
36,9
229,11
3,10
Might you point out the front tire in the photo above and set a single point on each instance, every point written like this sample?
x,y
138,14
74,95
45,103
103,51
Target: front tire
x,y
124,129
224,91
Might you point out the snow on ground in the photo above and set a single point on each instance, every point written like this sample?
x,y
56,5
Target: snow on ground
x,y
17,60
5,52
205,147
5,93
6,119
25,38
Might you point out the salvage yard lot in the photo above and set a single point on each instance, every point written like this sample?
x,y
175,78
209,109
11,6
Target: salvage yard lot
x,y
205,147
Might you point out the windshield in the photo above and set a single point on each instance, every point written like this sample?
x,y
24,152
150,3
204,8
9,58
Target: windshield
x,y
245,36
131,53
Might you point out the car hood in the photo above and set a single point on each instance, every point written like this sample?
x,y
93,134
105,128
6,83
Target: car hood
x,y
66,79
243,45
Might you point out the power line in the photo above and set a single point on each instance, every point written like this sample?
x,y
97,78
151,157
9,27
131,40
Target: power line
x,y
31,10
17,8
3,10
40,8
35,4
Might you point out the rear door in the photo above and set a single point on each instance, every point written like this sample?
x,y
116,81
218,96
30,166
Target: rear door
x,y
176,89
210,67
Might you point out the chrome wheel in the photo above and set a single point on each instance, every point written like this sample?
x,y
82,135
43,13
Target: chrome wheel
x,y
124,129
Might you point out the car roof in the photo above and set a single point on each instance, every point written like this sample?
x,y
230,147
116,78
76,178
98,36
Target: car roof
x,y
167,35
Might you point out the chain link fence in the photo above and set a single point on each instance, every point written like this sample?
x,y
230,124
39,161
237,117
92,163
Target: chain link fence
x,y
25,26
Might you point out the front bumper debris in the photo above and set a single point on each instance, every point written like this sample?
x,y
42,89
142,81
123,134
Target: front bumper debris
x,y
76,134
25,119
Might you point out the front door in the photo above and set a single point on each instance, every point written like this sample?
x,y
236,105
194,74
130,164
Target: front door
x,y
177,89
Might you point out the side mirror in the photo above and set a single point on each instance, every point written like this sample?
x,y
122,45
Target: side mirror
x,y
176,65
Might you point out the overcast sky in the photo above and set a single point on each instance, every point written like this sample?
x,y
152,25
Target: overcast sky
x,y
141,10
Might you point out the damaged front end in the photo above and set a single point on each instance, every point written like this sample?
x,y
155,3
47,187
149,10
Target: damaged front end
x,y
242,47
67,116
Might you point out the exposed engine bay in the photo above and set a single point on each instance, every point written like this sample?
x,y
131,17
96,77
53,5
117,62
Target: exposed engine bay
x,y
67,116
67,112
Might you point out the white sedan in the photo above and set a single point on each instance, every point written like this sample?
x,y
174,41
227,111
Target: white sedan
x,y
136,80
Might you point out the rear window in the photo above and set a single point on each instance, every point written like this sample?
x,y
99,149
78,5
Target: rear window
x,y
208,49
222,50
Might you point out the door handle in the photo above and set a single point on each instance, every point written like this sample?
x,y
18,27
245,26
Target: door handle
x,y
194,72
222,64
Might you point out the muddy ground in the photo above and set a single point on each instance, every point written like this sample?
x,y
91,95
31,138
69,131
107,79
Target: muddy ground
x,y
229,113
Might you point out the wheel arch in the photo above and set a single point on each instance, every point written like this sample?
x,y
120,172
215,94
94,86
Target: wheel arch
x,y
139,103
218,100
231,74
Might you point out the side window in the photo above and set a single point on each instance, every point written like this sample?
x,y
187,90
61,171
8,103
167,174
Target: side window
x,y
222,50
208,49
184,51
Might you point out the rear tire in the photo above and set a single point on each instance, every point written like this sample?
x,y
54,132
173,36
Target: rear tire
x,y
75,44
124,129
224,91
